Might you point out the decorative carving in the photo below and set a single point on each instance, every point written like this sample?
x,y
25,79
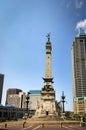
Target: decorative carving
x,y
47,88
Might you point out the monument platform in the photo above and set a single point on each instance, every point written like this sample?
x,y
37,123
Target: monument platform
x,y
46,118
48,121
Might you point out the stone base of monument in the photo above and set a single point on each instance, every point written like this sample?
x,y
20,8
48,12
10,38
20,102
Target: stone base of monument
x,y
51,120
46,118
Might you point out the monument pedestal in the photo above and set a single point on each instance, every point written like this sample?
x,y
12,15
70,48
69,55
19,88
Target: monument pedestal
x,y
47,105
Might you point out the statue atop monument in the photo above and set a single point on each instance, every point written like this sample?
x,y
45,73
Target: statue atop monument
x,y
48,36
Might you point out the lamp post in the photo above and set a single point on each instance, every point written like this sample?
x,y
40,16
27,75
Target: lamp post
x,y
63,101
27,102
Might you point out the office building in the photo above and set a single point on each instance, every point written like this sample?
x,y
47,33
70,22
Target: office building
x,y
17,100
34,98
1,86
12,91
80,105
79,73
16,97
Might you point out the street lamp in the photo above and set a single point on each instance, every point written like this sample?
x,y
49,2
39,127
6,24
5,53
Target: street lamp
x,y
63,101
27,102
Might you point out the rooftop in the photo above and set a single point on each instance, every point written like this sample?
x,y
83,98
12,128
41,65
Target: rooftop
x,y
9,105
35,92
81,35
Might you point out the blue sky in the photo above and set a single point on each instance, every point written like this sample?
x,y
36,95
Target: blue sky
x,y
24,25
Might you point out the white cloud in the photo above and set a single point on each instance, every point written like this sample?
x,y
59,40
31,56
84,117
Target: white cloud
x,y
78,4
81,25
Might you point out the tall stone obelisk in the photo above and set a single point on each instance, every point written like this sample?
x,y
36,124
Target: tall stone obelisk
x,y
48,72
47,105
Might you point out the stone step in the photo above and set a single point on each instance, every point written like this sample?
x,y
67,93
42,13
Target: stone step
x,y
45,118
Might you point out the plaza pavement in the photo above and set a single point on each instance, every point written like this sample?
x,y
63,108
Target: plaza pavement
x,y
37,125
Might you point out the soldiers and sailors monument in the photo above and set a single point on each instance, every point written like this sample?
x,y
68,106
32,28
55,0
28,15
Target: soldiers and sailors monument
x,y
46,107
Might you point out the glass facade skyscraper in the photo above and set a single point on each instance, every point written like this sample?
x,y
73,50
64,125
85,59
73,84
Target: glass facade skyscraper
x,y
79,72
1,86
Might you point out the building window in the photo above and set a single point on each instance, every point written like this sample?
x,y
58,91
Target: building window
x,y
81,40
